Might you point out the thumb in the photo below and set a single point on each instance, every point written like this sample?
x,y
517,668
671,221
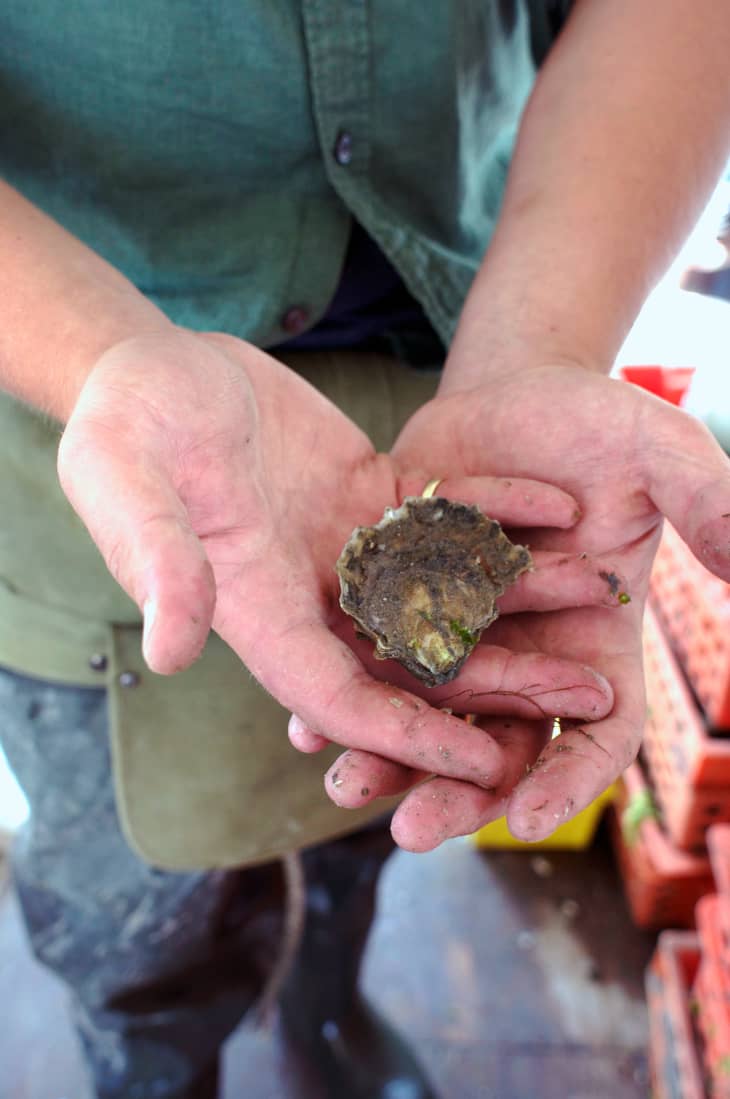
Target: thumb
x,y
136,518
689,482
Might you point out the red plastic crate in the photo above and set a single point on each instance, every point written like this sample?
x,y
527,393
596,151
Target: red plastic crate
x,y
694,607
713,927
718,847
712,989
710,1014
662,1068
674,1055
703,758
669,382
690,770
661,882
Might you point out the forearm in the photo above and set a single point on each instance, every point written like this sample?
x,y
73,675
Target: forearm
x,y
623,139
62,307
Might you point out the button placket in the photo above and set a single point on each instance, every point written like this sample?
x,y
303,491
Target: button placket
x,y
338,48
338,40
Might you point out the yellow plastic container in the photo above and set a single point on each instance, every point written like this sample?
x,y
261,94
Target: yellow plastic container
x,y
575,834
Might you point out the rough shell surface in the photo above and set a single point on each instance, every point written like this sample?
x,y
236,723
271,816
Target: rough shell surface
x,y
422,583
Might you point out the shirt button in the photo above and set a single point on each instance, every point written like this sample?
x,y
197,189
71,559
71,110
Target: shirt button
x,y
128,679
343,147
295,320
98,662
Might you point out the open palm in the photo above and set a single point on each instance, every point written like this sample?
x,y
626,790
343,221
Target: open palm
x,y
220,488
628,459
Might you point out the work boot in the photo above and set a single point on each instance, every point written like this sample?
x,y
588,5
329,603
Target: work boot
x,y
342,1045
161,1039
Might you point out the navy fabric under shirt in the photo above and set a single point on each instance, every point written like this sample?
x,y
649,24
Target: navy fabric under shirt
x,y
372,310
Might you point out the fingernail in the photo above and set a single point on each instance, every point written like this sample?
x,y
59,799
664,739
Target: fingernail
x,y
600,679
296,725
529,827
149,612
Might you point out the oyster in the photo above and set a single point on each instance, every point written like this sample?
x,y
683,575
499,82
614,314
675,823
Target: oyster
x,y
422,583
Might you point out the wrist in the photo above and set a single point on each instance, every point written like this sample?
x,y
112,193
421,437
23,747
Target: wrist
x,y
63,307
524,310
86,348
74,352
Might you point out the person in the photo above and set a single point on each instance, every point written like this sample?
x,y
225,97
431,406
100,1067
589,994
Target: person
x,y
712,280
185,188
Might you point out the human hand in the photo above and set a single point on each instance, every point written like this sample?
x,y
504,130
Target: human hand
x,y
220,488
628,458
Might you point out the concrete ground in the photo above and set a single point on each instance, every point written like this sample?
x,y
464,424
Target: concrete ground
x,y
514,975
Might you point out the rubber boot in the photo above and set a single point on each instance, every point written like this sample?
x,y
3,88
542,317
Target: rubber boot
x,y
342,1045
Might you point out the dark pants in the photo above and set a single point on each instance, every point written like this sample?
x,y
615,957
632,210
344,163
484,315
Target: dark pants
x,y
162,966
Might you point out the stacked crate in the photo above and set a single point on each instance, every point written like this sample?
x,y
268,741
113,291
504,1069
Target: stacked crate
x,y
687,760
711,989
688,994
675,1058
694,608
674,855
680,786
662,883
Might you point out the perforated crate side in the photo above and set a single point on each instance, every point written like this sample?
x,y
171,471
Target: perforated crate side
x,y
662,884
718,847
675,725
694,606
676,960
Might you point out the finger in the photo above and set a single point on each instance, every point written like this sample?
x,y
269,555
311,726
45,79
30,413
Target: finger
x,y
585,759
561,580
689,482
578,765
142,530
512,501
357,778
529,685
335,697
318,677
498,680
440,809
305,739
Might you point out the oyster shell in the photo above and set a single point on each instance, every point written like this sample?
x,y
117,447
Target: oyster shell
x,y
422,583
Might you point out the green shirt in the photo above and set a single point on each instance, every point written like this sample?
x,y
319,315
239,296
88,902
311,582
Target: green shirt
x,y
214,153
